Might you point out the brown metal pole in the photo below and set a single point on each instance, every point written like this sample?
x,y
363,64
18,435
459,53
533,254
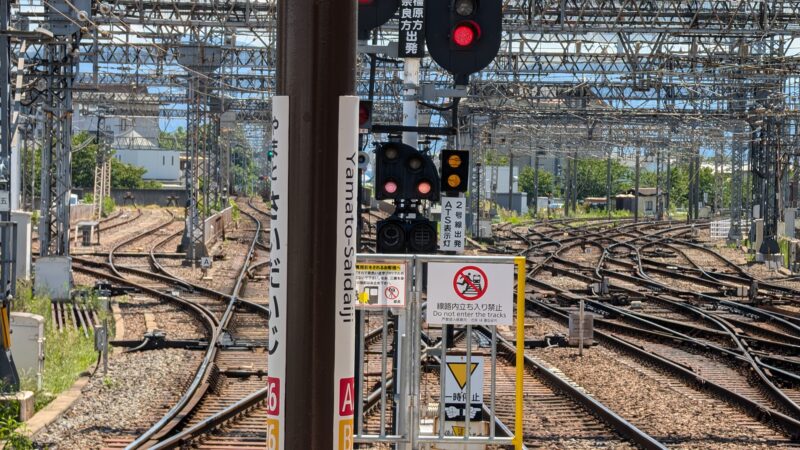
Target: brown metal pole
x,y
316,65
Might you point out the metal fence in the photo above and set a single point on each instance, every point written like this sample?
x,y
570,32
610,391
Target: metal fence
x,y
719,229
403,399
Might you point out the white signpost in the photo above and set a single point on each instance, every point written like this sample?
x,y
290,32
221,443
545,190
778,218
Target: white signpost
x,y
453,232
345,396
205,262
456,378
381,284
470,294
276,381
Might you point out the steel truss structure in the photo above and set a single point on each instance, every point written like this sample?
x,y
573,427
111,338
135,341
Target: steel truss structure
x,y
678,83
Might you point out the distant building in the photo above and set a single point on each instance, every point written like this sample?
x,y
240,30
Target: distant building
x,y
136,142
648,201
595,202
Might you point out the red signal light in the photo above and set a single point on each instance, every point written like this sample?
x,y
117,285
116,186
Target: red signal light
x,y
366,2
424,187
466,33
390,187
363,115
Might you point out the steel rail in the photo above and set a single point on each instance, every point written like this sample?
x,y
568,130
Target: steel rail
x,y
776,393
589,403
199,384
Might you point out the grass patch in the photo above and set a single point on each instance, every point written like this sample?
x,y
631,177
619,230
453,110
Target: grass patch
x,y
66,354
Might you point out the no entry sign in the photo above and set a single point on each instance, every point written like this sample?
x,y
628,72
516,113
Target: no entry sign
x,y
470,283
470,294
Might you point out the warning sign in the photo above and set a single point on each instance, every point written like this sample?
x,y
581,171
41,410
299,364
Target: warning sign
x,y
470,294
470,283
381,284
457,375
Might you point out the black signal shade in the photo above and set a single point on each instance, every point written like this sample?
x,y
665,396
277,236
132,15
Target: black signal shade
x,y
403,173
463,36
464,8
374,13
365,114
421,236
396,235
391,236
455,170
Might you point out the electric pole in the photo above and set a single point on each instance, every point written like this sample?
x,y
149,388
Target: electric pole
x,y
313,211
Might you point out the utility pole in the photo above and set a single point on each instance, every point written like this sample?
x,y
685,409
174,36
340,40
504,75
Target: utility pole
x,y
510,180
574,181
313,211
636,187
536,183
669,183
608,184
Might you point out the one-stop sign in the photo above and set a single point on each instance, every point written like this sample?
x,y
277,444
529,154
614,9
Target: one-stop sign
x,y
470,294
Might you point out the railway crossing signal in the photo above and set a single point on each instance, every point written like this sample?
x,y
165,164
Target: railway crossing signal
x,y
404,173
463,36
374,13
455,170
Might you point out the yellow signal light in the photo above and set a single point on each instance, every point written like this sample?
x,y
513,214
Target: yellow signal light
x,y
454,180
454,161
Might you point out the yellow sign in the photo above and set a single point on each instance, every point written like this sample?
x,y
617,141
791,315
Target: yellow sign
x,y
273,438
381,284
459,371
346,432
380,267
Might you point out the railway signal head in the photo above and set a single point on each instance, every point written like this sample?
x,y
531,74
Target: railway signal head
x,y
365,115
463,36
421,236
396,235
403,173
391,236
374,13
455,170
363,160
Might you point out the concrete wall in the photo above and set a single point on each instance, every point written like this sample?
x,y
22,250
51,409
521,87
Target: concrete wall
x,y
149,196
80,212
160,164
502,180
217,224
519,201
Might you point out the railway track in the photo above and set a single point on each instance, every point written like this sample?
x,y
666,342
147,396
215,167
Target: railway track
x,y
706,350
231,370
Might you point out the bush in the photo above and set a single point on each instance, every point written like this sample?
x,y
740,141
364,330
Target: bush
x,y
108,206
236,215
67,353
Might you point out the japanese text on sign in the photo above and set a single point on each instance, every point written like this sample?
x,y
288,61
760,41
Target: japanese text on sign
x,y
5,201
470,294
457,376
452,234
279,204
381,284
412,36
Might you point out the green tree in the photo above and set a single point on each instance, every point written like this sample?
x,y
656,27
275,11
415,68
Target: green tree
x,y
592,177
546,182
84,160
175,140
123,175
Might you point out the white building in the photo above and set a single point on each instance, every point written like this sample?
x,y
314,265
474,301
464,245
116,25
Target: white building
x,y
136,142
